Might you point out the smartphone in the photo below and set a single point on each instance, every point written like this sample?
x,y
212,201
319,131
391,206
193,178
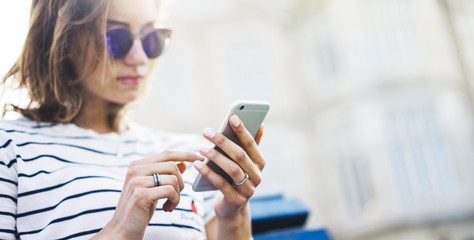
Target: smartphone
x,y
251,113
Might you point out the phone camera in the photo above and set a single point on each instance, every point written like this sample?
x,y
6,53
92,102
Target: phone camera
x,y
242,107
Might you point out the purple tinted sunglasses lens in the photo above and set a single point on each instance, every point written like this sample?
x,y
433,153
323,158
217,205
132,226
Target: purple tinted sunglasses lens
x,y
119,42
154,43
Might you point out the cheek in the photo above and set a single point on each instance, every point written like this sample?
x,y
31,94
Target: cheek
x,y
92,84
98,79
95,78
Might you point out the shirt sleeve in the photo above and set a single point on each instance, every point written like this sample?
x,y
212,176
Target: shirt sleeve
x,y
8,187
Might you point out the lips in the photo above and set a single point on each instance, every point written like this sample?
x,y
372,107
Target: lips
x,y
129,80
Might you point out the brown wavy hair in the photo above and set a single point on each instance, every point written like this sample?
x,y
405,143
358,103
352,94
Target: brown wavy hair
x,y
46,67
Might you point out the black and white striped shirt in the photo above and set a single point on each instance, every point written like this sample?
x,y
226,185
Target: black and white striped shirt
x,y
60,181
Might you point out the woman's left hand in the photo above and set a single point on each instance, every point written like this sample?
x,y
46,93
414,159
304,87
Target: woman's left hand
x,y
244,167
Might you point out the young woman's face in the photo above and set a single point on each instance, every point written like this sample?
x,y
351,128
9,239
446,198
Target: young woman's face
x,y
121,84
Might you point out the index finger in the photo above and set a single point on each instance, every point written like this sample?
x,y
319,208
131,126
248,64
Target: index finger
x,y
170,156
249,143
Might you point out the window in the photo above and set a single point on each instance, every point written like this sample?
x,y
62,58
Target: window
x,y
423,171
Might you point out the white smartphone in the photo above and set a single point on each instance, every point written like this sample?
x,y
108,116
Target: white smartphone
x,y
251,113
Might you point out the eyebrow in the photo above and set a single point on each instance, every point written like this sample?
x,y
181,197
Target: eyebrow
x,y
115,22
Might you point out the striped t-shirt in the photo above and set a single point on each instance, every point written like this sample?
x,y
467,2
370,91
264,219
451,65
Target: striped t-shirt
x,y
60,181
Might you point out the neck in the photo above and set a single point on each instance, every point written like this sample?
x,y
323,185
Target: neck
x,y
94,115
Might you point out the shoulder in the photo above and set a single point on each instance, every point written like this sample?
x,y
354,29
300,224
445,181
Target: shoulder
x,y
13,132
24,125
10,127
24,128
28,134
20,122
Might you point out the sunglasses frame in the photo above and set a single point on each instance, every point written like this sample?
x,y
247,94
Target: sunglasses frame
x,y
142,37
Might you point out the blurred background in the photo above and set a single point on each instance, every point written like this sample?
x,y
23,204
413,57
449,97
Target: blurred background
x,y
371,119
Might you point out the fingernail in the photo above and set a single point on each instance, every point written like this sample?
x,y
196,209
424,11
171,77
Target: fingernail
x,y
198,165
199,156
209,133
235,121
204,150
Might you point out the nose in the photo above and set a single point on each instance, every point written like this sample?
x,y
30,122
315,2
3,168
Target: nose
x,y
136,55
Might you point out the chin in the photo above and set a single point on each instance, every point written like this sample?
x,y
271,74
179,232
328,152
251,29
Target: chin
x,y
125,97
121,99
124,100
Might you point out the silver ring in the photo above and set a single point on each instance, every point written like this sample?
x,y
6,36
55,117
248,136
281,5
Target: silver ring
x,y
156,178
243,181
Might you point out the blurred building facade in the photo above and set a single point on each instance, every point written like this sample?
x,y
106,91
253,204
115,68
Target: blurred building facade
x,y
392,105
371,123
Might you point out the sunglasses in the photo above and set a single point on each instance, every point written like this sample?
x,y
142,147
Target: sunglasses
x,y
120,41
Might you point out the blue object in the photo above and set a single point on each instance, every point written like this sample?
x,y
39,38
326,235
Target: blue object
x,y
299,234
275,212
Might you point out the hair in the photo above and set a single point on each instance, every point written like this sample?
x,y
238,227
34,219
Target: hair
x,y
47,66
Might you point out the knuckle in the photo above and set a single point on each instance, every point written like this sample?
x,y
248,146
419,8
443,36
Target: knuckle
x,y
174,181
250,193
241,155
169,190
132,163
243,200
212,154
257,179
175,169
240,200
249,142
141,194
172,167
220,139
134,182
132,171
234,170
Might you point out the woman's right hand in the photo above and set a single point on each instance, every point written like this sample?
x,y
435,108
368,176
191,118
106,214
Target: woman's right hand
x,y
139,195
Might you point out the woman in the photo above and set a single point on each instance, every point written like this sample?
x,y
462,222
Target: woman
x,y
72,167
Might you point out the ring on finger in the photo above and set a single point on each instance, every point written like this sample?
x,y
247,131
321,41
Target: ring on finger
x,y
156,178
243,181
